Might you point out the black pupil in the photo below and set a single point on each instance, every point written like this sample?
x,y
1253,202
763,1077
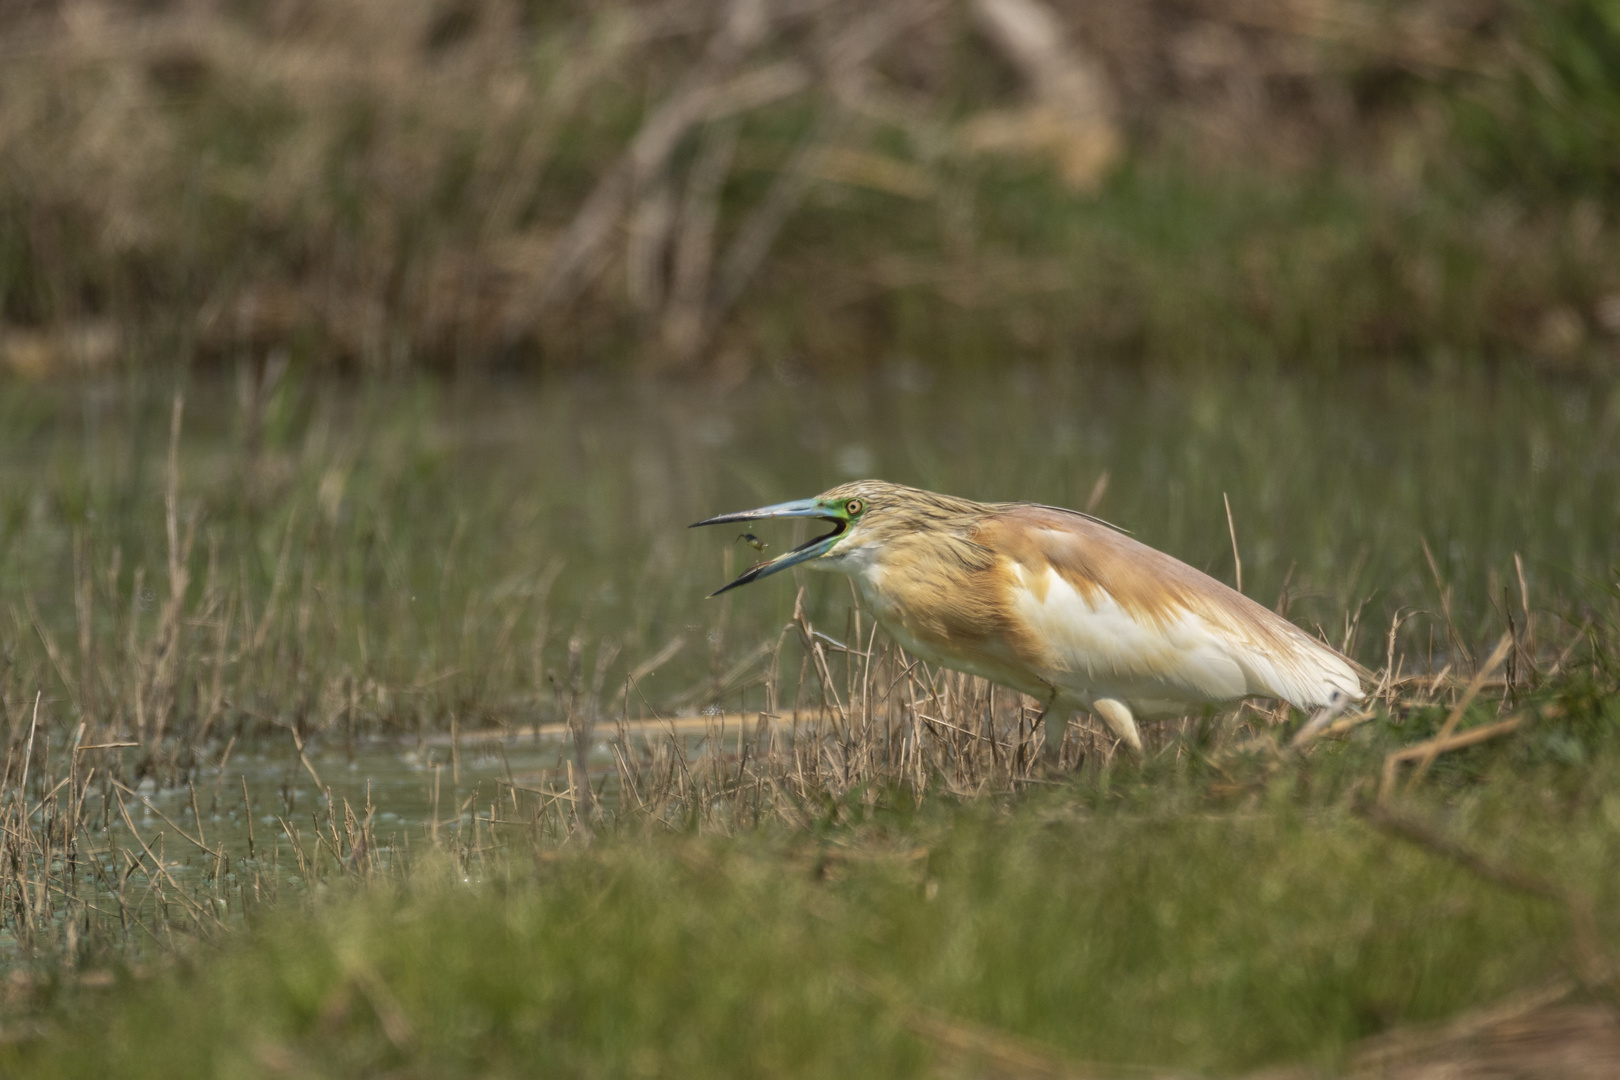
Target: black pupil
x,y
855,506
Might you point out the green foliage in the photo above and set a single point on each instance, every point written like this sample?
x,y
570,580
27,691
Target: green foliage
x,y
1551,124
1130,928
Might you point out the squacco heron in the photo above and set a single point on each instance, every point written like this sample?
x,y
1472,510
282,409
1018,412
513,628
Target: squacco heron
x,y
1055,604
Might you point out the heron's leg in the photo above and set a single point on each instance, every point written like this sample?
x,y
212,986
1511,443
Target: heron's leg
x,y
1117,715
1055,725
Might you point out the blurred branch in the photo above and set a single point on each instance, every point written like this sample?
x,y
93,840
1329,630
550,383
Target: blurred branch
x,y
587,235
1074,117
685,320
691,323
358,182
759,231
1417,36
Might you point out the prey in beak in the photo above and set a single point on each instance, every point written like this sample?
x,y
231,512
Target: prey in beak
x,y
835,515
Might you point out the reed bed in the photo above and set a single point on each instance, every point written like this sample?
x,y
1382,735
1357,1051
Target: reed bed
x,y
839,777
195,659
843,722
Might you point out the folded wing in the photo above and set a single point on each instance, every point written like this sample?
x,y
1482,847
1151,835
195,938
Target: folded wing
x,y
1115,617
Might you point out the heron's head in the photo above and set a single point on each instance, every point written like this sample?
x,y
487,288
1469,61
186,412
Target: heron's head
x,y
859,516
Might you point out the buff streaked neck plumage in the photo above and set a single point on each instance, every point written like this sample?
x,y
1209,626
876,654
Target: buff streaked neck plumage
x,y
894,513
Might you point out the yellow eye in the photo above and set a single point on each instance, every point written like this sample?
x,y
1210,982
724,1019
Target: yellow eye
x,y
854,506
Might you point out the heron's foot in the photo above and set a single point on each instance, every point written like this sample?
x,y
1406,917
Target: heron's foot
x,y
1320,720
1117,715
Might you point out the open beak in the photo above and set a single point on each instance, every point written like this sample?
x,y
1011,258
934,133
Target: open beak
x,y
808,550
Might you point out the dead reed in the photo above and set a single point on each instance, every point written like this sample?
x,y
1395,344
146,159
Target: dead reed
x,y
843,722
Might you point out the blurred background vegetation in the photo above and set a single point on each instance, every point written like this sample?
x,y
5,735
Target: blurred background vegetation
x,y
361,364
812,186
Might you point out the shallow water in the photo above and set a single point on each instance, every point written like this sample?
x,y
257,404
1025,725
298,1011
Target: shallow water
x,y
272,821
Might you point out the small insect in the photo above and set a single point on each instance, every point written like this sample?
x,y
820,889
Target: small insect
x,y
753,541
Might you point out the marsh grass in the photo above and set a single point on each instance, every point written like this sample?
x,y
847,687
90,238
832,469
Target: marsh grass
x,y
811,908
877,853
764,824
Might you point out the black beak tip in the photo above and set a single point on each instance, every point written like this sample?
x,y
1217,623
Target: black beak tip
x,y
742,579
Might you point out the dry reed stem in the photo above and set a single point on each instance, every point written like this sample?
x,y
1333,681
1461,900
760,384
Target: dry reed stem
x,y
1231,528
147,803
1427,752
1382,1051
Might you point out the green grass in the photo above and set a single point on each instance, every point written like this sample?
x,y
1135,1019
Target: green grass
x,y
1140,917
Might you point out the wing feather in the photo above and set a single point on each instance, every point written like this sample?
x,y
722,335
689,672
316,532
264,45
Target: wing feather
x,y
1149,618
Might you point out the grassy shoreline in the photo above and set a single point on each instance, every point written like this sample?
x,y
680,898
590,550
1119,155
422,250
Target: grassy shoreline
x,y
1214,911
